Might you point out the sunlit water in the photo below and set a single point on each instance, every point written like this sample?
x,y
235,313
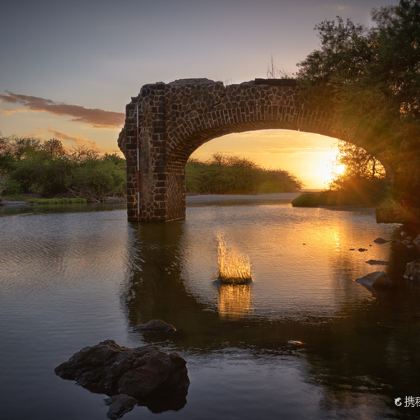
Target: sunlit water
x,y
68,280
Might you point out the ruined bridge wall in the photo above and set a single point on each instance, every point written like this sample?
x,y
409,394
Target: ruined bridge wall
x,y
165,123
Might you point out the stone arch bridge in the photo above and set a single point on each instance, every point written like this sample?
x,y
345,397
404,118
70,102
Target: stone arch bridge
x,y
165,123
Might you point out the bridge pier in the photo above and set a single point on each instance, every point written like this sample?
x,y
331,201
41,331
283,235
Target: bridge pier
x,y
155,184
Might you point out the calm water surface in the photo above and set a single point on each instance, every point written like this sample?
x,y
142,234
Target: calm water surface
x,y
68,280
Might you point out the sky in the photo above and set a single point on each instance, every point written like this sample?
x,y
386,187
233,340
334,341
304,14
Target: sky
x,y
68,68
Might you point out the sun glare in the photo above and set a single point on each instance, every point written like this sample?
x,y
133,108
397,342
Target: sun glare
x,y
339,169
327,168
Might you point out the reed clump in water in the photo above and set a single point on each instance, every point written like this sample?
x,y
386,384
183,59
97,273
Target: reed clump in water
x,y
234,267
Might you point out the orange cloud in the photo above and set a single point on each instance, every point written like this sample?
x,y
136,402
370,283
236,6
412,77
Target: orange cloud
x,y
75,140
92,116
81,142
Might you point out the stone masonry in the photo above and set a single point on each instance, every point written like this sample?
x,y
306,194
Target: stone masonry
x,y
165,123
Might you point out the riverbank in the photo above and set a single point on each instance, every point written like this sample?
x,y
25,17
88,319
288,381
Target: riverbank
x,y
331,198
27,203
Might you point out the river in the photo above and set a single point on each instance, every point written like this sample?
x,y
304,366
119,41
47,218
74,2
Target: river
x,y
71,279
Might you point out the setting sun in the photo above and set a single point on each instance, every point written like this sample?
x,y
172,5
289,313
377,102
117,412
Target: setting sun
x,y
340,169
331,169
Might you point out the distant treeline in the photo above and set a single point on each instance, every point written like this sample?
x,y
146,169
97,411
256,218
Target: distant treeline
x,y
233,175
47,169
29,166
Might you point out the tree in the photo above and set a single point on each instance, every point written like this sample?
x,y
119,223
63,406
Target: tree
x,y
24,146
54,148
95,179
6,156
373,79
397,61
83,153
46,168
345,51
358,162
373,74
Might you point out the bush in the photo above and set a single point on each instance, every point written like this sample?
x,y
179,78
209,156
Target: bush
x,y
232,175
57,201
352,192
97,179
29,166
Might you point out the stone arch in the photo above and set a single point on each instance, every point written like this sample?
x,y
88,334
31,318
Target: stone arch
x,y
165,123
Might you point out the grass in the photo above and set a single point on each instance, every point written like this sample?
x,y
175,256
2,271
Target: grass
x,y
234,267
338,198
45,201
310,200
391,211
57,201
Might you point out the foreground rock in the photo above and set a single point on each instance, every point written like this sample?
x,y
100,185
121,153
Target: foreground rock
x,y
412,271
157,326
156,379
375,280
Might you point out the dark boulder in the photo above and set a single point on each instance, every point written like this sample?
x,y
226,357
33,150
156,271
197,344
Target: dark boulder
x,y
144,373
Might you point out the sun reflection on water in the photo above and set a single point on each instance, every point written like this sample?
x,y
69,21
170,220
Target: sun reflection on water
x,y
234,300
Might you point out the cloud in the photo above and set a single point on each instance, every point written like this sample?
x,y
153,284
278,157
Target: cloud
x,y
75,140
92,116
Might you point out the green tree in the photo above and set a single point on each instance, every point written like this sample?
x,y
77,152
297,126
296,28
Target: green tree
x,y
96,179
54,148
30,166
373,77
358,162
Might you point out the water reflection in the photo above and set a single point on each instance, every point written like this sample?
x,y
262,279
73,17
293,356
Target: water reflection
x,y
234,300
359,348
71,280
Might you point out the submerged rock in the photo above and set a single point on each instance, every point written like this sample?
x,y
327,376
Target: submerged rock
x,y
375,280
380,241
157,326
376,262
295,343
412,271
144,373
